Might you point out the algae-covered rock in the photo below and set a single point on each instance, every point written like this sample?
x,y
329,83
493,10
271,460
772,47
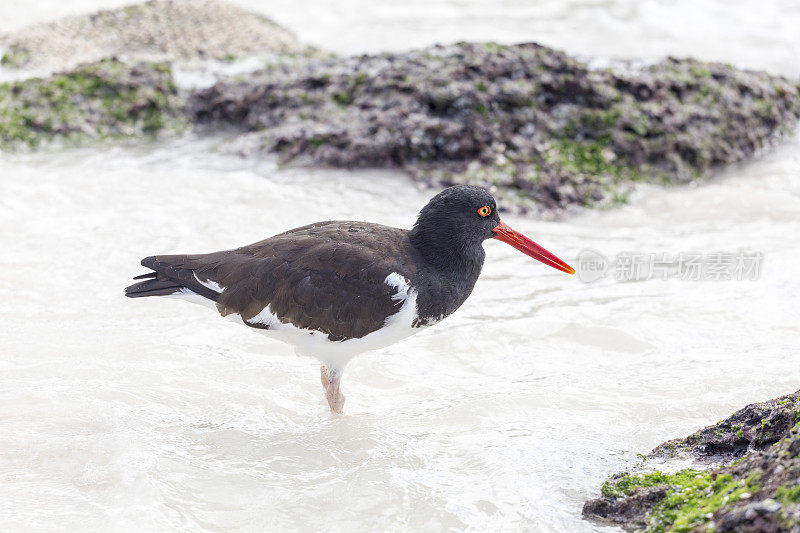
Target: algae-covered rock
x,y
154,31
540,129
751,427
546,131
98,100
758,491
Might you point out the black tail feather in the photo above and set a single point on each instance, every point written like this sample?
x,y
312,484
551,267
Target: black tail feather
x,y
167,279
152,287
170,267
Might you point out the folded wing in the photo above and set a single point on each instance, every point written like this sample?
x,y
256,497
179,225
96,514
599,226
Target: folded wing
x,y
329,277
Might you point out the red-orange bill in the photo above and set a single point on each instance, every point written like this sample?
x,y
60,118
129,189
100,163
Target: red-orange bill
x,y
528,247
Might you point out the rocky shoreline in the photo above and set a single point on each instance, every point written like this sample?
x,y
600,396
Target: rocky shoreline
x,y
544,131
540,128
746,479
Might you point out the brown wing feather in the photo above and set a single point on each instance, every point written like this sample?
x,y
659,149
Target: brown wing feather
x,y
328,276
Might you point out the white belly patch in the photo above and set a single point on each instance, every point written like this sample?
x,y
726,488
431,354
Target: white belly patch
x,y
333,354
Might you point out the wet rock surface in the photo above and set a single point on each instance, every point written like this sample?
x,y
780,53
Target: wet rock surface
x,y
107,99
752,427
154,31
544,130
758,491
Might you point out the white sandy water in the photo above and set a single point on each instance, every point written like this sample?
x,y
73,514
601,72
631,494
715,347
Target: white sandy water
x,y
120,414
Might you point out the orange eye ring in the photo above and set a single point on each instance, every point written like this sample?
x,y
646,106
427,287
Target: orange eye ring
x,y
485,211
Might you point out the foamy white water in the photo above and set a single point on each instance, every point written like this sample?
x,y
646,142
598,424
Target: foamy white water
x,y
156,414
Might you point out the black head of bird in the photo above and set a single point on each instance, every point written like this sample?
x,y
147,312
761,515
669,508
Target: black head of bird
x,y
453,225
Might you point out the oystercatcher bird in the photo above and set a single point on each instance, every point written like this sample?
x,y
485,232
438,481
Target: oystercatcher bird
x,y
339,288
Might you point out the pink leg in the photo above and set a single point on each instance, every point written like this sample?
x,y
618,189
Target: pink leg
x,y
330,383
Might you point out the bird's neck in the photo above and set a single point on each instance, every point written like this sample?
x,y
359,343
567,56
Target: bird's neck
x,y
448,254
448,275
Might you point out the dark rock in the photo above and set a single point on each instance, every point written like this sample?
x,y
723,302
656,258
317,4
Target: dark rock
x,y
757,517
758,492
752,427
630,512
545,131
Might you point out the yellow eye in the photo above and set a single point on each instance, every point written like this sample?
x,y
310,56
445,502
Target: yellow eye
x,y
485,211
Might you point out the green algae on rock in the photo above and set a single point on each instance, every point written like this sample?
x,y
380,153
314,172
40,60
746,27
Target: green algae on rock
x,y
759,491
543,130
686,498
95,101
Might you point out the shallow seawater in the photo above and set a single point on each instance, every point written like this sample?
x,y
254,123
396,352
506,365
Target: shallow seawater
x,y
155,414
